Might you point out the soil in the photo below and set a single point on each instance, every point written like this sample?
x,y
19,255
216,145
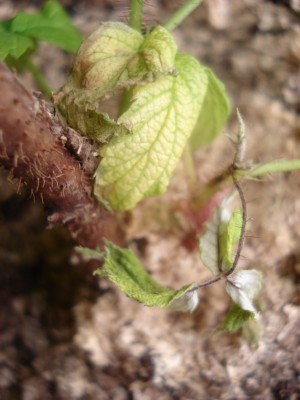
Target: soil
x,y
64,334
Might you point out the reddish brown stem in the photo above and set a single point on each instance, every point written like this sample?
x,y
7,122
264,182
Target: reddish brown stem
x,y
39,150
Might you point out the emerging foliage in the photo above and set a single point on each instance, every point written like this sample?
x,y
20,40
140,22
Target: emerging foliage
x,y
217,243
168,93
235,319
123,268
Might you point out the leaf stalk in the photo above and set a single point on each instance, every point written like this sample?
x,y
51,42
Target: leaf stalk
x,y
135,15
181,14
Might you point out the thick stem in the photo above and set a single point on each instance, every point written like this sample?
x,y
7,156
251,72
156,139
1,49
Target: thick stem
x,y
33,147
181,14
135,15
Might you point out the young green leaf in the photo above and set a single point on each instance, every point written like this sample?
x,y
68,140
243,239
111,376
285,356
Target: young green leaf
x,y
123,268
114,57
235,319
161,118
87,119
108,58
243,286
51,24
229,235
14,45
159,50
213,114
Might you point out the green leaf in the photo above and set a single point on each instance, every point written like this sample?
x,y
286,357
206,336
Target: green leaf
x,y
229,235
13,45
159,50
108,57
51,24
235,319
243,286
213,114
123,268
114,57
87,119
107,61
161,119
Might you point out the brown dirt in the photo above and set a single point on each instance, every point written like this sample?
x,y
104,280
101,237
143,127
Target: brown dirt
x,y
63,335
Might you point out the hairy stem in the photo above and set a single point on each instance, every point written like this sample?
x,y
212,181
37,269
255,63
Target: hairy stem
x,y
135,15
39,151
181,14
207,283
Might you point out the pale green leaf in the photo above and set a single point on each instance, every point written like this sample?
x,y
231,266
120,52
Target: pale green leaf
x,y
161,119
87,119
159,50
113,58
229,235
14,45
213,114
236,318
123,268
209,243
108,57
51,24
243,286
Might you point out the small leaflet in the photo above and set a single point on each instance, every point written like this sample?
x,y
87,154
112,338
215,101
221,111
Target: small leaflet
x,y
229,235
235,319
122,267
243,286
221,233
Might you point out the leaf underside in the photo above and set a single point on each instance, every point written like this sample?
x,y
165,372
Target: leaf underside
x,y
123,268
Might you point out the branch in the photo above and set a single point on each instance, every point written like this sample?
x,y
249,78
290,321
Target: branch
x,y
41,153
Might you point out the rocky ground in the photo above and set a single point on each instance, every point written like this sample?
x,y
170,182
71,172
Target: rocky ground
x,y
66,335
